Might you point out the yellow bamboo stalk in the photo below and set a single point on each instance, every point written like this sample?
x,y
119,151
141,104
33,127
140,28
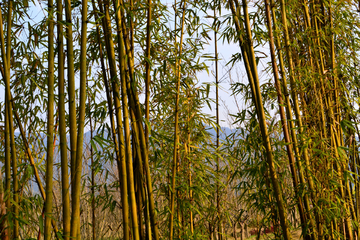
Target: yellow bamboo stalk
x,y
218,210
62,126
6,67
50,126
176,127
254,82
289,146
128,155
116,95
135,106
75,214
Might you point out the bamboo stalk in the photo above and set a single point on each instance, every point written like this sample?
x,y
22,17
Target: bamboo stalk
x,y
135,106
128,155
297,110
290,115
254,80
71,90
62,126
138,181
6,64
105,79
7,161
239,28
12,138
147,71
50,126
289,149
3,223
176,127
93,219
188,156
116,95
217,129
75,215
31,161
140,170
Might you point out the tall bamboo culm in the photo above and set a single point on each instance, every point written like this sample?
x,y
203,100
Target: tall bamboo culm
x,y
62,126
50,126
75,204
6,66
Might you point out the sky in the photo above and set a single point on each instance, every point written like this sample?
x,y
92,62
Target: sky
x,y
228,103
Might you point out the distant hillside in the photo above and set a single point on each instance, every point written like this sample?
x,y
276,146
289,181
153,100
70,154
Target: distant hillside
x,y
225,131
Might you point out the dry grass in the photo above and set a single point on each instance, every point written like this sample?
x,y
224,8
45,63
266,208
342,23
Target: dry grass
x,y
296,235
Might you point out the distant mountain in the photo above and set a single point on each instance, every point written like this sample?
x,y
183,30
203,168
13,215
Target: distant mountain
x,y
224,131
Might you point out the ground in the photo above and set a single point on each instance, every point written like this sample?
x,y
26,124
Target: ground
x,y
295,235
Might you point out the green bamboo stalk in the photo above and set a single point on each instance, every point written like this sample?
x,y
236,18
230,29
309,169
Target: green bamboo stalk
x,y
105,78
31,161
75,215
263,127
12,144
335,116
180,226
126,119
6,67
5,230
188,158
116,95
71,90
50,126
290,115
140,170
289,148
93,219
138,181
340,168
108,92
217,128
7,160
138,190
176,126
8,31
14,176
62,126
147,71
321,70
135,106
296,107
244,49
3,223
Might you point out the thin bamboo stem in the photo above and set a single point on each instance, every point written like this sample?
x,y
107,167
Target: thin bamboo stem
x,y
62,126
6,64
176,128
283,117
50,126
75,217
116,95
217,128
147,71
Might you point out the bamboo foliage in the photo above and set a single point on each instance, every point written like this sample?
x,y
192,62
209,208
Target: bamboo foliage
x,y
154,164
315,65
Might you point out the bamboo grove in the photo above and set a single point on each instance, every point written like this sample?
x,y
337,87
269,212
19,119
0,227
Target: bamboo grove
x,y
105,133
